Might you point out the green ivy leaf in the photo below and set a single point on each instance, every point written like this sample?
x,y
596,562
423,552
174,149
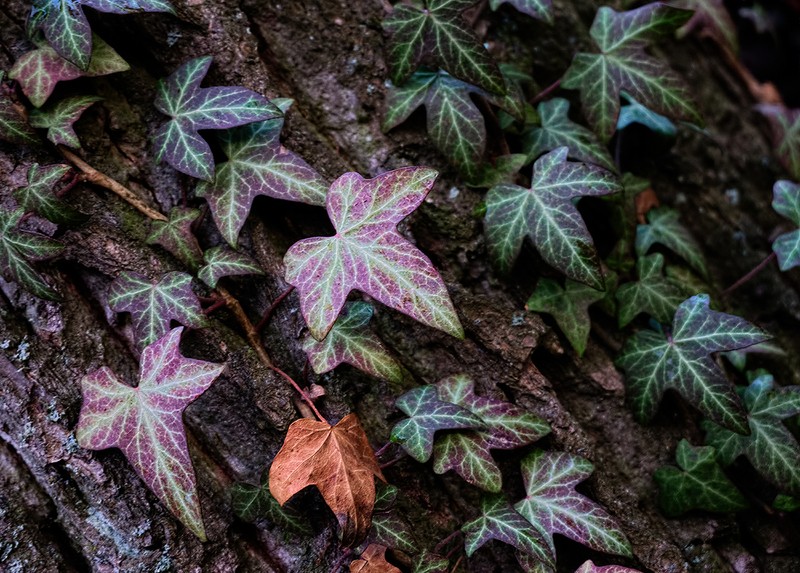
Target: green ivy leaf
x,y
783,502
176,236
786,202
14,128
623,64
634,112
498,520
653,293
557,130
224,262
713,18
770,447
369,254
539,9
350,341
59,117
257,165
67,30
154,304
785,124
700,483
663,227
553,506
429,562
253,502
654,362
39,70
38,195
428,414
438,34
193,108
18,248
146,422
392,531
504,170
569,307
547,214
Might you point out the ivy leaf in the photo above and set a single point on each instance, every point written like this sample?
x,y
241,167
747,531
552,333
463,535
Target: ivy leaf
x,y
785,124
351,342
428,414
339,461
663,227
257,165
431,563
67,30
39,70
391,531
224,262
253,502
14,128
653,293
553,506
654,362
498,520
547,214
557,130
786,503
59,117
699,483
373,560
153,305
569,307
539,9
18,248
369,254
176,236
193,108
712,17
770,447
439,35
623,64
786,202
590,567
38,194
146,422
504,170
634,112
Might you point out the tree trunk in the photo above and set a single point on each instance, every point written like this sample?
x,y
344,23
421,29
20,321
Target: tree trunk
x,y
63,508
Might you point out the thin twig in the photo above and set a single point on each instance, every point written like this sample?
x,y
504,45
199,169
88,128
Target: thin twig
x,y
219,303
443,543
757,269
546,92
268,314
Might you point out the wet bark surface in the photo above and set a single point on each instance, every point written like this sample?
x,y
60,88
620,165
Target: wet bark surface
x,y
63,508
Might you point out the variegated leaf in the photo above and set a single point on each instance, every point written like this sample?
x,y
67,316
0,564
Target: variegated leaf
x,y
18,248
546,213
224,262
663,227
193,108
653,293
655,362
539,9
145,422
176,236
369,254
786,202
350,341
58,119
552,504
428,562
590,567
39,196
154,304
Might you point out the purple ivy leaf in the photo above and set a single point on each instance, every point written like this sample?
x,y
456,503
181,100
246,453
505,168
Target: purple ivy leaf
x,y
654,362
257,165
771,447
428,414
146,423
67,30
369,254
539,9
439,34
547,214
38,195
14,128
154,304
39,70
786,202
468,454
192,108
553,506
590,567
59,117
623,64
350,341
176,236
18,248
498,520
224,262
785,124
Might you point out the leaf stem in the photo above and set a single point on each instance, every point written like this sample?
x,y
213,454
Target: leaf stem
x,y
92,175
546,92
441,545
268,314
753,272
214,306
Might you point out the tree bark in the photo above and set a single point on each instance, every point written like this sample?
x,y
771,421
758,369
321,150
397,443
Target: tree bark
x,y
63,508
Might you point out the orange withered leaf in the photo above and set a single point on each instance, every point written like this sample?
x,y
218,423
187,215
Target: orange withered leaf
x,y
339,461
373,560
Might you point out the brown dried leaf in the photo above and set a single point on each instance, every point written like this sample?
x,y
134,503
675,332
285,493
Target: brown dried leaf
x,y
373,560
339,461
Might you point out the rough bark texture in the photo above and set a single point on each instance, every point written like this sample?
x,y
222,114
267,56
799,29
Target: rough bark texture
x,y
63,508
